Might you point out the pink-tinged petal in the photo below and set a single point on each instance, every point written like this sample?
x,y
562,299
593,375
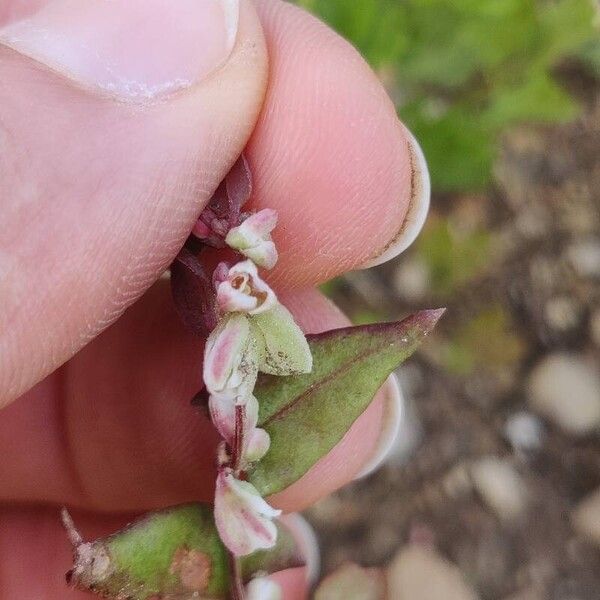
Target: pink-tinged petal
x,y
201,230
226,351
262,222
242,517
230,299
220,274
252,238
222,414
263,588
223,210
264,254
257,446
242,289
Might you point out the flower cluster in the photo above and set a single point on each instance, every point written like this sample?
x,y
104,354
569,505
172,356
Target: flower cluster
x,y
254,333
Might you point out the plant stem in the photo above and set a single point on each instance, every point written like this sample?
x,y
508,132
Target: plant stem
x,y
237,584
237,454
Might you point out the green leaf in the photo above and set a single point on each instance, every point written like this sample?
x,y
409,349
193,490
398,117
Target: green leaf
x,y
539,99
174,554
307,415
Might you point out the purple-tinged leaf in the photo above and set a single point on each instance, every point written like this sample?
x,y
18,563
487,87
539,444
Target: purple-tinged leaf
x,y
239,188
193,293
224,208
307,415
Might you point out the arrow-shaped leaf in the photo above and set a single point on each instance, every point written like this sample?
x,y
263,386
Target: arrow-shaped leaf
x,y
173,554
307,415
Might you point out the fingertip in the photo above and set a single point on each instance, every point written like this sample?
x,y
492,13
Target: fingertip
x,y
307,541
328,152
293,583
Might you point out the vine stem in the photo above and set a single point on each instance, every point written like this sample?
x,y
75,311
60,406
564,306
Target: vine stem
x,y
237,454
237,583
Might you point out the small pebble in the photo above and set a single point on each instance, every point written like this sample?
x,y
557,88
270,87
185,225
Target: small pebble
x,y
524,431
562,313
527,594
586,517
585,257
595,327
566,389
411,279
420,573
501,487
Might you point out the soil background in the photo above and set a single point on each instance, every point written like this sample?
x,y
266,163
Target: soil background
x,y
497,468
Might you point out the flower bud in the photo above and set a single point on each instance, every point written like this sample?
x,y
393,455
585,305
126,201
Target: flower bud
x,y
222,413
242,516
231,358
240,289
262,588
253,238
257,445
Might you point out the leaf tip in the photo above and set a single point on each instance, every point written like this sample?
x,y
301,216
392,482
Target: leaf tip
x,y
428,318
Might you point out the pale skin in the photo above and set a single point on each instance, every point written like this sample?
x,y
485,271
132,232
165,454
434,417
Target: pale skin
x,y
96,402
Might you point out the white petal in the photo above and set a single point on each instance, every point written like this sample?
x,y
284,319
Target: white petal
x,y
262,588
222,413
263,254
242,517
258,445
224,351
230,299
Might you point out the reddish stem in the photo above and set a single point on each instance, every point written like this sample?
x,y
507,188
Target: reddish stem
x,y
237,454
237,584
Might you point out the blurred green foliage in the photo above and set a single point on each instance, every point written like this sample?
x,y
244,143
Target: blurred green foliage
x,y
453,256
461,71
486,342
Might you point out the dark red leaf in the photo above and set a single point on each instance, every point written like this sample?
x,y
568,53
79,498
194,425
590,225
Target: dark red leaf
x,y
193,293
239,189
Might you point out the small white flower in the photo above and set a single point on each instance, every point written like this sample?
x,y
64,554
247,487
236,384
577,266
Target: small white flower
x,y
223,415
257,445
243,518
241,289
231,358
262,588
253,238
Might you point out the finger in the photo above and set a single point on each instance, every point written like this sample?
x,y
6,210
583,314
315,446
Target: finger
x,y
35,555
114,431
117,121
329,153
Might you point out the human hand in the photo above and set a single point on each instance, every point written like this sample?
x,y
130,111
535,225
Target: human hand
x,y
102,176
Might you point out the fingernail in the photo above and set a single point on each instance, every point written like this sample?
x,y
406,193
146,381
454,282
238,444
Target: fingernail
x,y
306,538
392,418
417,208
131,49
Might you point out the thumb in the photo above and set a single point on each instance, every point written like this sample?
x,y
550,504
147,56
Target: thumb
x,y
117,122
